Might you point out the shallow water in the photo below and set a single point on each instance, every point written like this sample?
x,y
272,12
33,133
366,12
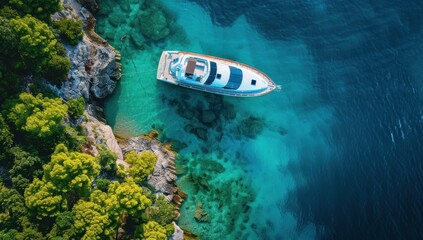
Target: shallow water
x,y
336,154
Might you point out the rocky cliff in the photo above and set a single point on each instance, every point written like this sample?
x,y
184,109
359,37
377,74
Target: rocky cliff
x,y
95,65
95,70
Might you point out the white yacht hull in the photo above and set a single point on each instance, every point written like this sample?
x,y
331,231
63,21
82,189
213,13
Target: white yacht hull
x,y
212,74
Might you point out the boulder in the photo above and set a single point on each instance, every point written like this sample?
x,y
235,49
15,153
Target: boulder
x,y
102,134
178,234
163,178
201,133
251,126
200,214
91,5
207,116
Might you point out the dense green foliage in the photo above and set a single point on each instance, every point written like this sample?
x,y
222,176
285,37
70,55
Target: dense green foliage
x,y
70,30
107,160
25,167
142,164
102,184
49,189
36,44
161,211
6,140
92,221
57,69
75,107
42,199
153,231
43,118
71,171
41,9
38,116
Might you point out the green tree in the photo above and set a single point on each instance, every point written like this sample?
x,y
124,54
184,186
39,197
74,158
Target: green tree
x,y
36,43
9,81
43,200
63,228
102,184
8,38
75,107
107,160
6,140
8,12
142,164
92,221
71,171
25,167
161,211
57,69
125,199
70,30
39,116
12,207
153,231
41,9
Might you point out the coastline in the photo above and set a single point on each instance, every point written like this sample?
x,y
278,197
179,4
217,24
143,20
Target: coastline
x,y
95,71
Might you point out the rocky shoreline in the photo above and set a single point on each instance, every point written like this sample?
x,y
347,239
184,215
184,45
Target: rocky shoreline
x,y
95,71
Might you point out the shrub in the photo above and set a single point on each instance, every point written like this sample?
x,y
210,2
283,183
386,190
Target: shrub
x,y
57,70
142,164
70,30
75,107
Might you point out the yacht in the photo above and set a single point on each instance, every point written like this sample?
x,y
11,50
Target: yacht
x,y
213,75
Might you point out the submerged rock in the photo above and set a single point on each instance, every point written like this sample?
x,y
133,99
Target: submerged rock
x,y
200,214
153,23
208,116
251,126
201,133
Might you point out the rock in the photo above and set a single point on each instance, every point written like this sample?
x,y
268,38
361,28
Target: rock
x,y
251,126
228,111
94,66
181,193
177,145
163,178
114,20
178,234
101,134
200,214
208,116
137,40
185,112
153,23
201,133
91,5
189,128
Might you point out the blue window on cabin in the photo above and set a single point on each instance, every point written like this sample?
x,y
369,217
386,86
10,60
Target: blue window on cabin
x,y
235,78
212,75
253,82
218,76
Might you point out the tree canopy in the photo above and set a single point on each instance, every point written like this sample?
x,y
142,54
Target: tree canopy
x,y
142,164
36,43
70,30
39,116
71,171
43,200
153,231
41,9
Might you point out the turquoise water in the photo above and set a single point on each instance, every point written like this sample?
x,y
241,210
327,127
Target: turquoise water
x,y
333,155
242,182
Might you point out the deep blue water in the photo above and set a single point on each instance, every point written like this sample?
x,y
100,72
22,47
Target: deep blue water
x,y
369,57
